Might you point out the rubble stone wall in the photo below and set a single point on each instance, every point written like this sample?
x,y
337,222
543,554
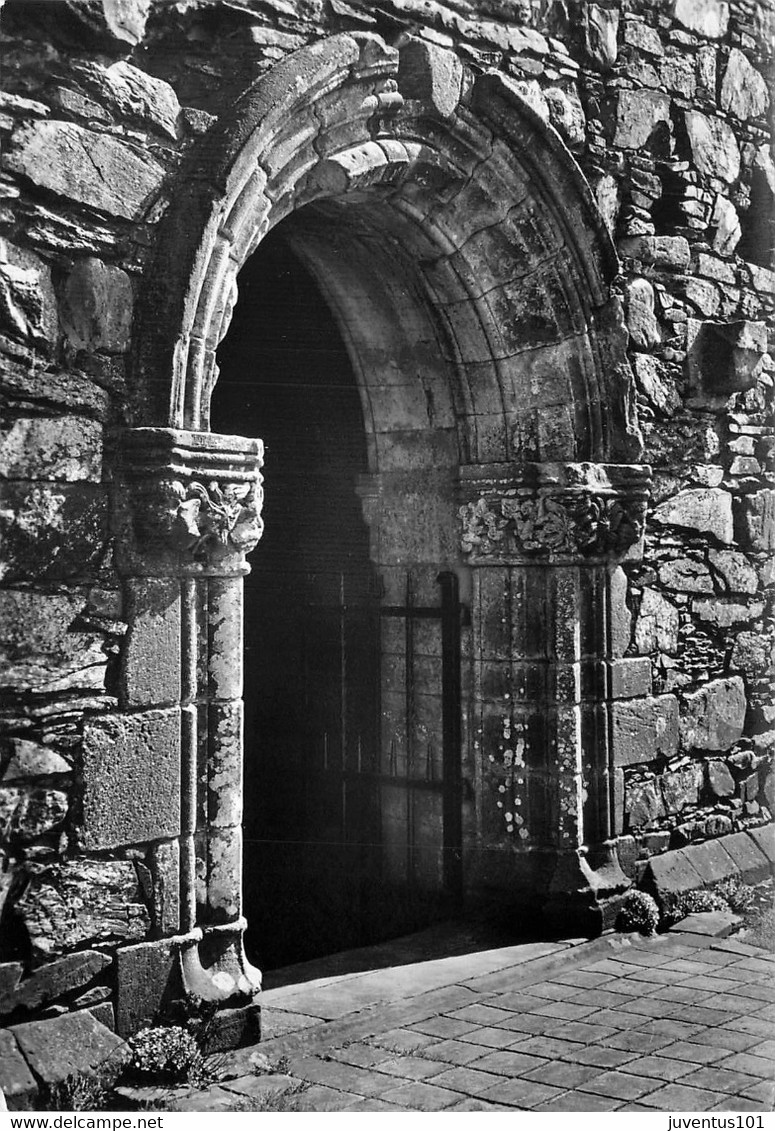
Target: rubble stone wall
x,y
665,107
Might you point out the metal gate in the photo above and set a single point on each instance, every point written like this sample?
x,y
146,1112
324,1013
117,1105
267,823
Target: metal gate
x,y
353,821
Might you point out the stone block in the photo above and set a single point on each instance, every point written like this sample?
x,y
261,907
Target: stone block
x,y
681,787
224,780
750,860
105,1014
95,169
641,319
28,306
713,717
164,862
764,838
431,74
630,678
134,95
17,1084
150,656
52,532
42,651
707,18
644,729
707,510
686,576
68,1045
67,448
713,146
66,905
131,778
656,629
669,875
726,222
22,759
96,307
710,861
643,803
737,573
661,251
727,613
636,114
148,978
47,983
743,90
29,812
720,780
757,520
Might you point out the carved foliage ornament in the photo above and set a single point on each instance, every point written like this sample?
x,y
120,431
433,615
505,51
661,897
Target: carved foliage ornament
x,y
566,524
204,521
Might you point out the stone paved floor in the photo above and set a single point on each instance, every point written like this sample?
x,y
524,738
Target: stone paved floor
x,y
683,1022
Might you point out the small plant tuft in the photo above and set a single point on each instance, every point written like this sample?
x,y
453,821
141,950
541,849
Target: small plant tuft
x,y
167,1054
740,897
639,912
696,902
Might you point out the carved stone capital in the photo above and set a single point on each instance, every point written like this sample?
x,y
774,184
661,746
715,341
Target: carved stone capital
x,y
189,501
568,512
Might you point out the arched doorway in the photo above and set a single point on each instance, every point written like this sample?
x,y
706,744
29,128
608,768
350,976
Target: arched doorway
x,y
469,270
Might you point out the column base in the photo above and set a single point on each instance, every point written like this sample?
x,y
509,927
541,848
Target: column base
x,y
586,891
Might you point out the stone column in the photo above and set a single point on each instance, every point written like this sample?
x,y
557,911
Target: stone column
x,y
544,541
189,510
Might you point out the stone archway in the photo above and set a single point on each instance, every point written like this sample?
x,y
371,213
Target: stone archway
x,y
464,225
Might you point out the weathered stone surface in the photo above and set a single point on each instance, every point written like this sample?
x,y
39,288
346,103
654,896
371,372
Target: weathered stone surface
x,y
637,114
54,979
757,513
132,94
131,778
68,1045
96,307
743,90
713,717
51,532
566,114
720,780
150,658
28,309
21,758
27,813
148,977
754,654
17,1083
749,859
65,448
643,803
727,613
681,787
641,320
630,677
713,146
708,18
42,650
710,861
644,729
738,574
656,629
726,222
601,28
686,576
81,901
430,74
763,837
704,509
654,383
662,251
95,169
645,38
164,860
669,875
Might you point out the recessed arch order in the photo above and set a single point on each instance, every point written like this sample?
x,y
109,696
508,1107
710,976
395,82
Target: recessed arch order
x,y
463,256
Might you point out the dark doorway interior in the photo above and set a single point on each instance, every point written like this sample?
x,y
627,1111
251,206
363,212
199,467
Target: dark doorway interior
x,y
343,836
